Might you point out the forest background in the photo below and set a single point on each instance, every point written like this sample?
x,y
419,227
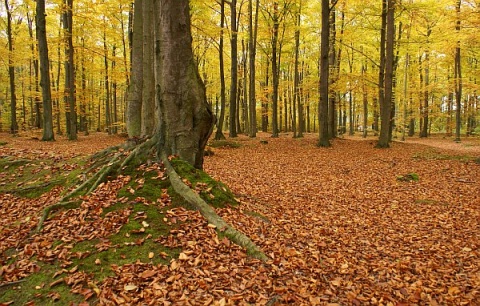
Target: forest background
x,y
434,80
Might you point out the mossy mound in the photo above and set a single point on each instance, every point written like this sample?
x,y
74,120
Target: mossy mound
x,y
31,178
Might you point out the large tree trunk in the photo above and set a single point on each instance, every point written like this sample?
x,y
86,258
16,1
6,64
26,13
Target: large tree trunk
x,y
134,101
44,72
185,115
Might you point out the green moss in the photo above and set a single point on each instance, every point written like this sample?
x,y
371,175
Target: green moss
x,y
224,144
3,143
434,155
213,192
411,177
135,241
430,202
36,287
32,178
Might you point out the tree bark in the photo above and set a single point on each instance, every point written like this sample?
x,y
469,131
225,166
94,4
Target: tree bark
x,y
219,134
385,111
234,68
324,75
11,72
44,72
148,91
458,78
296,97
69,70
134,100
185,115
252,49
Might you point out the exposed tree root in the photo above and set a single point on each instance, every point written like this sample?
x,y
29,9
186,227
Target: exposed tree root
x,y
210,214
139,153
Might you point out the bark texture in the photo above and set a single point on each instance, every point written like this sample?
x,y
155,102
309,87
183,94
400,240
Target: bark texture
x,y
186,120
134,101
44,72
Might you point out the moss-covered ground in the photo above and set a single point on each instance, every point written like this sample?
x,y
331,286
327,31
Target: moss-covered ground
x,y
135,241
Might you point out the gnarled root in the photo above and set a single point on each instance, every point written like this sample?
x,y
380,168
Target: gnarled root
x,y
208,213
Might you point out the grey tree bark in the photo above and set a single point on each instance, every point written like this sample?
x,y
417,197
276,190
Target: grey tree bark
x,y
133,114
148,90
324,140
11,72
233,69
252,47
41,29
219,134
385,111
186,120
69,71
458,78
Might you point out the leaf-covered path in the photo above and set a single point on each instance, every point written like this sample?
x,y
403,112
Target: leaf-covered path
x,y
348,225
342,227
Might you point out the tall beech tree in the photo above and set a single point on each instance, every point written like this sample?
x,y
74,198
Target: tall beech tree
x,y
386,105
219,133
233,68
186,120
134,97
70,95
11,72
44,72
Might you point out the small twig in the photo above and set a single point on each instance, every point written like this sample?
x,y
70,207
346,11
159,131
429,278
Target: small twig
x,y
12,283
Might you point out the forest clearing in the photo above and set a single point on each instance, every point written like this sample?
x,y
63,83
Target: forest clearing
x,y
345,225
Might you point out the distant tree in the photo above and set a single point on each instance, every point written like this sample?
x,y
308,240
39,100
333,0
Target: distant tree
x,y
324,140
11,72
44,72
219,134
70,95
233,69
386,106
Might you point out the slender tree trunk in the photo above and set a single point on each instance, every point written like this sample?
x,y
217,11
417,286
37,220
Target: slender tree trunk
x,y
148,91
275,71
38,116
234,68
114,94
44,71
324,77
11,72
296,97
134,96
108,118
186,118
252,47
384,139
458,78
69,70
219,134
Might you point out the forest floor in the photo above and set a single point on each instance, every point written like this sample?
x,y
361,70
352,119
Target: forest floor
x,y
347,225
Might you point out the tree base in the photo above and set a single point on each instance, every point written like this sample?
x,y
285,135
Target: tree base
x,y
112,161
